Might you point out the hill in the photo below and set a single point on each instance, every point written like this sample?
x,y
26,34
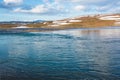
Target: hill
x,y
90,21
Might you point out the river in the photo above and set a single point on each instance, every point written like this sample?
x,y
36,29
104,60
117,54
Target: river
x,y
74,54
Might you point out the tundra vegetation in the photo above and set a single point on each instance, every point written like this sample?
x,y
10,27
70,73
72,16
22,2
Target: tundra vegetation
x,y
93,21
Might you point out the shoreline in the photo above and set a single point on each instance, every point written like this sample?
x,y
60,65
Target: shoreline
x,y
26,30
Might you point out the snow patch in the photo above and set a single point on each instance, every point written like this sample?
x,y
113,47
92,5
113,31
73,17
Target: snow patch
x,y
64,23
45,23
21,27
75,20
116,18
54,25
57,22
117,23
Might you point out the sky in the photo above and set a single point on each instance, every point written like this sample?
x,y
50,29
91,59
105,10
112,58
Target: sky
x,y
29,10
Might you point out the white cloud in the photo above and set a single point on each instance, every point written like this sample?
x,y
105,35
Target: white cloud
x,y
46,8
87,1
43,9
36,9
39,9
16,2
79,7
80,1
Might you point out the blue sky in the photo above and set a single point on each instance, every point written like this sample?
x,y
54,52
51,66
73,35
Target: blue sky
x,y
28,10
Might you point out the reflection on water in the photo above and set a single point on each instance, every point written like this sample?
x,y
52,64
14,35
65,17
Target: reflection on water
x,y
78,54
82,32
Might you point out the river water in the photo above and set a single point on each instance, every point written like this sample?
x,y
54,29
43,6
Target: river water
x,y
74,54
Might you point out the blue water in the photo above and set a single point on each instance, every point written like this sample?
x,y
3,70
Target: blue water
x,y
75,54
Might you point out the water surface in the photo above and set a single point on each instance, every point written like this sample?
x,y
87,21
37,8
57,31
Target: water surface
x,y
75,54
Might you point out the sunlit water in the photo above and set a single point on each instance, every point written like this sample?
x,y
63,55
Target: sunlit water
x,y
76,54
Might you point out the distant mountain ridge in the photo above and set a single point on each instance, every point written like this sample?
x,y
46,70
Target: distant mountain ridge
x,y
15,22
